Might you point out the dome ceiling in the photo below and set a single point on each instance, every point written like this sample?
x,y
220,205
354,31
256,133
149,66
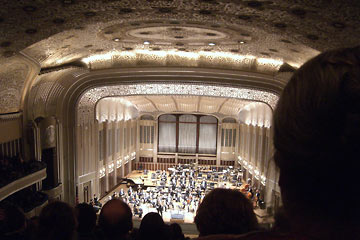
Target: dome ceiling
x,y
255,36
71,29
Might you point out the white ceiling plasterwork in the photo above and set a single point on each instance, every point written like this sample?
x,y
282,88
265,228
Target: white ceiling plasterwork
x,y
185,103
88,100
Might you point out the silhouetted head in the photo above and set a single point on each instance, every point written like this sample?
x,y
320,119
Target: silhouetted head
x,y
176,231
115,218
316,138
225,211
86,217
57,221
152,226
12,219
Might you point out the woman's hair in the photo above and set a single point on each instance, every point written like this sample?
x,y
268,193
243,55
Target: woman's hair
x,y
317,137
225,211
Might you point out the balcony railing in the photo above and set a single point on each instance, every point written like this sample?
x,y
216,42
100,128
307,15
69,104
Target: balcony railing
x,y
22,183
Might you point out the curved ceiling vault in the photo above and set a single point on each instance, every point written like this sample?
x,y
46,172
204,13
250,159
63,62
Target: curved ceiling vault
x,y
256,37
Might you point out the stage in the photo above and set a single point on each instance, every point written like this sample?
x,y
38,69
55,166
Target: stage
x,y
178,191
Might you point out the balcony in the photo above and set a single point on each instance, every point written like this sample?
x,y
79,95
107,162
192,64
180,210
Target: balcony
x,y
22,183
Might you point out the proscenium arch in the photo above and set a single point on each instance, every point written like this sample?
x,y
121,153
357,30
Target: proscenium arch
x,y
84,83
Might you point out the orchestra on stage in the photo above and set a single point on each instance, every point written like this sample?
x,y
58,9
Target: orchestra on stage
x,y
178,191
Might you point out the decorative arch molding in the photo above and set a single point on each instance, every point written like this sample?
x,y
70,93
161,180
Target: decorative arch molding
x,y
113,82
176,81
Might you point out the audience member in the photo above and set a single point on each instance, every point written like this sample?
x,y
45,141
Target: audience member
x,y
225,211
86,218
316,137
57,222
12,222
32,227
133,234
152,226
176,232
115,220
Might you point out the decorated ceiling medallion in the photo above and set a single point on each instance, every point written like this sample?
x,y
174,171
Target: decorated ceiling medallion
x,y
164,32
185,33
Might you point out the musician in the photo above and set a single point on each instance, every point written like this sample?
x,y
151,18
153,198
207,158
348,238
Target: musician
x,y
159,209
203,185
121,193
140,212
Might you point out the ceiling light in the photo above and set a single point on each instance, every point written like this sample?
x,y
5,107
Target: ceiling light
x,y
212,44
242,42
116,39
146,42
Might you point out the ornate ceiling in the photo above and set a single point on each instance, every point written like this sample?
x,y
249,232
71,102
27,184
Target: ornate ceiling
x,y
169,97
187,103
130,107
254,36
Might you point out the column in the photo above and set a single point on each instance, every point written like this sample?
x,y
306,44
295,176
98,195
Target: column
x,y
218,147
96,185
122,154
155,146
106,154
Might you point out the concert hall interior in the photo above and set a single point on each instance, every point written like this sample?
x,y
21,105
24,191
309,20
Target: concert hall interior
x,y
94,93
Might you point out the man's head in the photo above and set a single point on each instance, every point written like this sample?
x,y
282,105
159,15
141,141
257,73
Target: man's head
x,y
225,211
115,218
316,137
